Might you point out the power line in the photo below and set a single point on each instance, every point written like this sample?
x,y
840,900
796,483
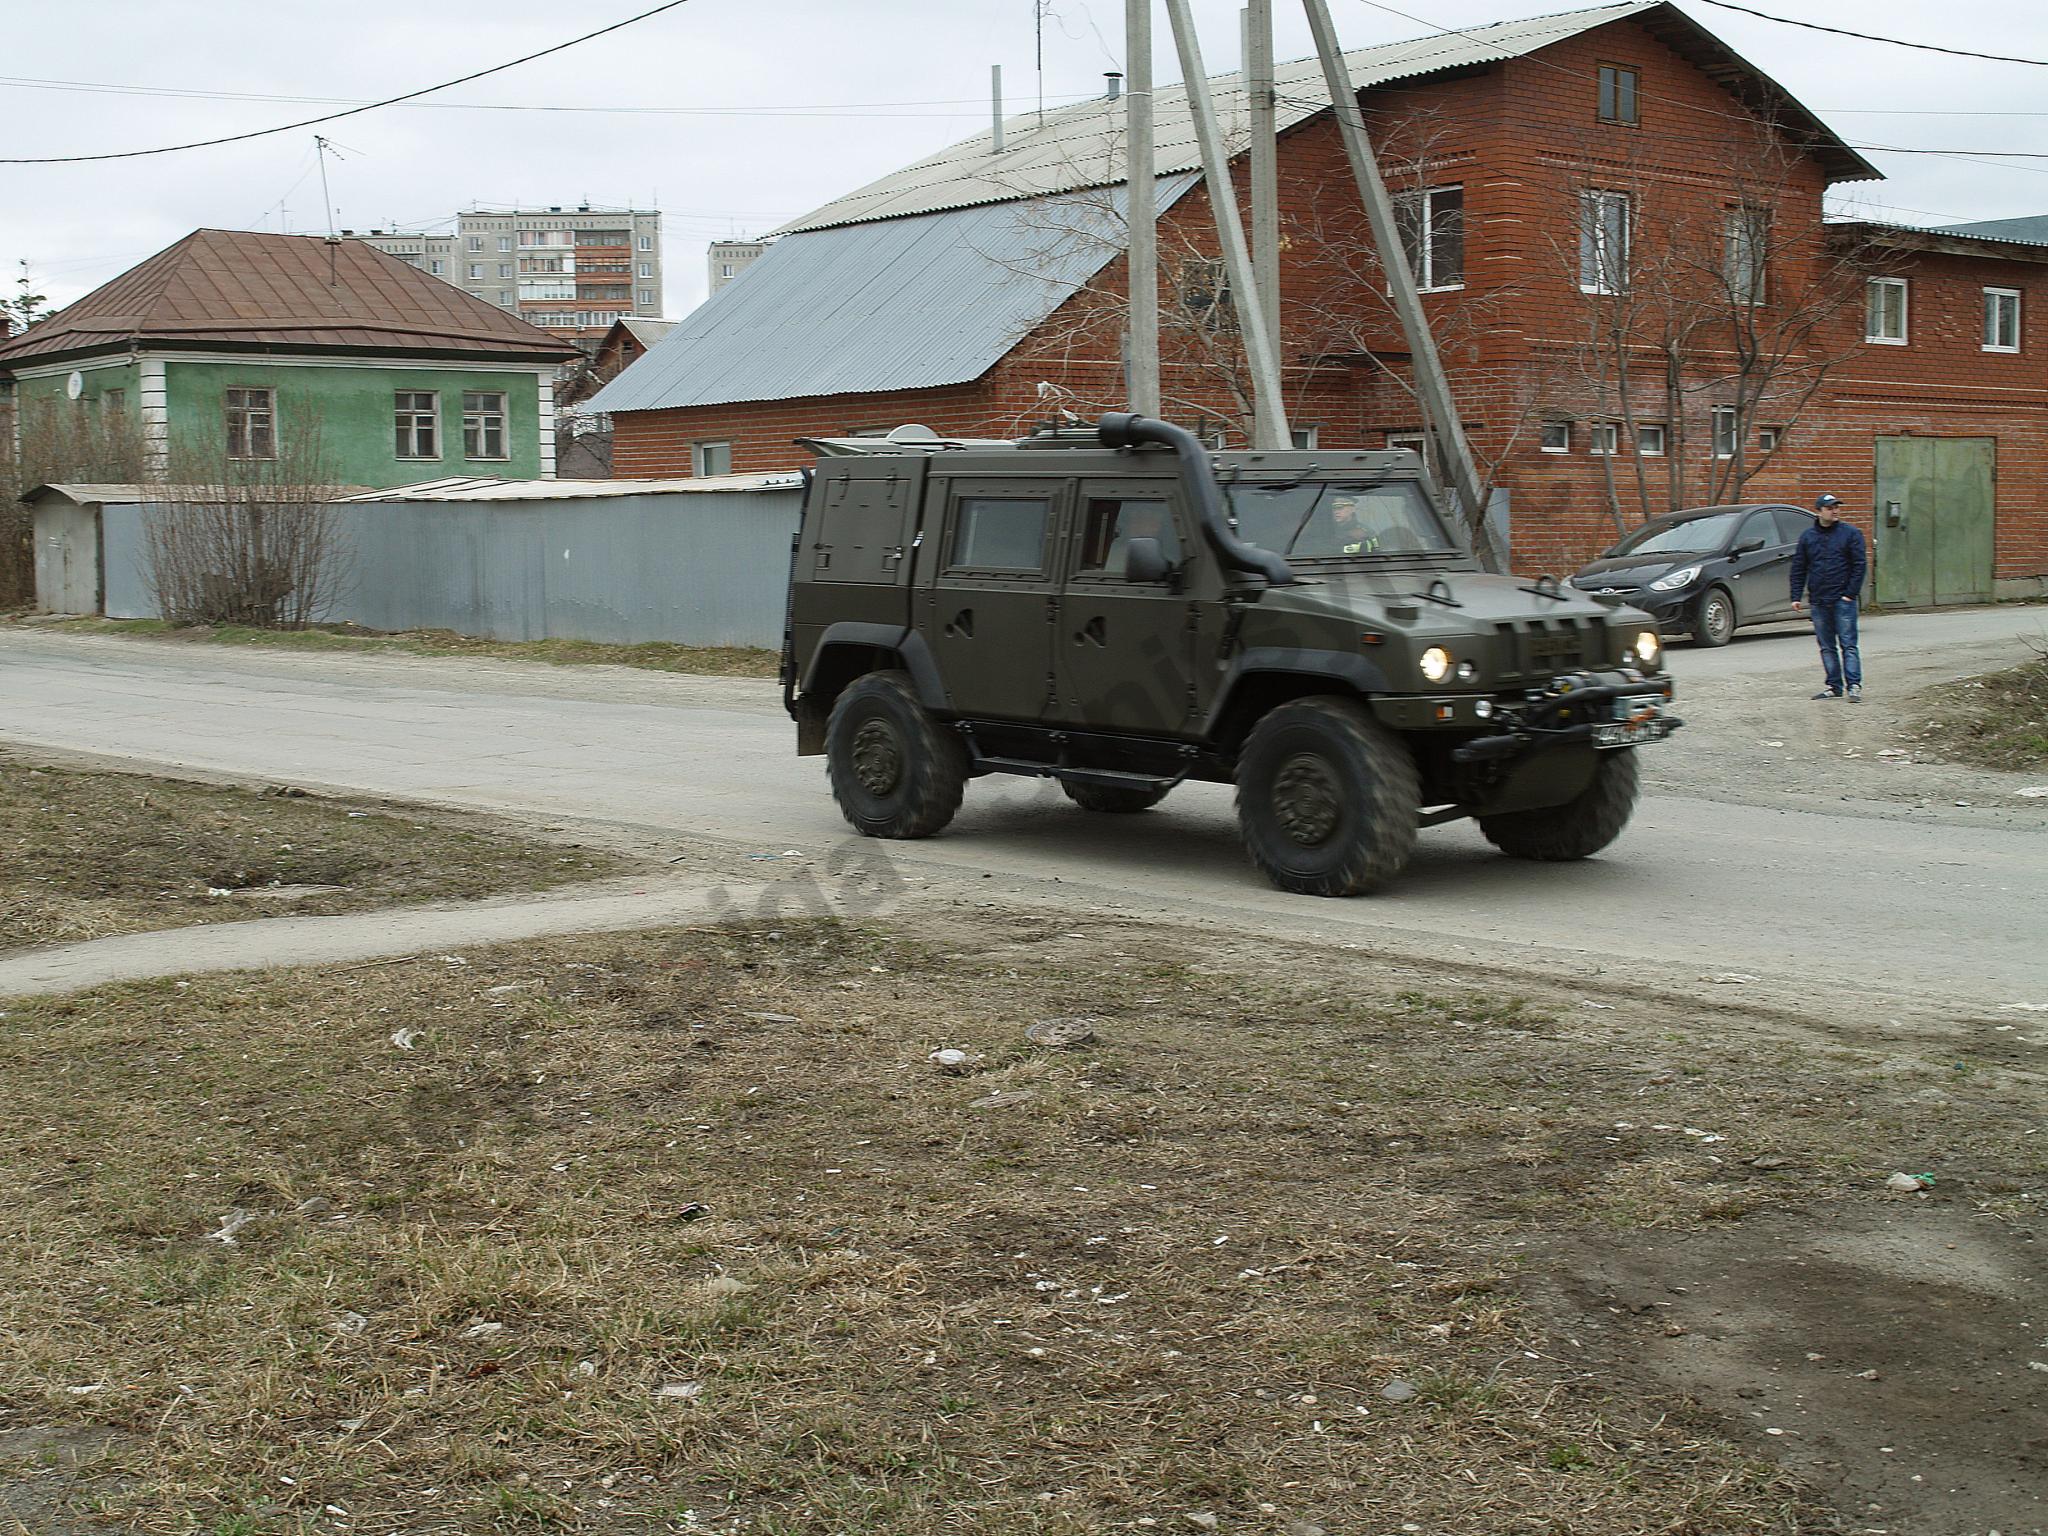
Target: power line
x,y
1872,37
389,101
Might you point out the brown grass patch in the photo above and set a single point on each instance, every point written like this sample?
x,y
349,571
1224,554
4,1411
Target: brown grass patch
x,y
1999,720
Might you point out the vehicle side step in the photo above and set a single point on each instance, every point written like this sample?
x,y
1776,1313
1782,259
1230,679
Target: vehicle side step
x,y
1106,778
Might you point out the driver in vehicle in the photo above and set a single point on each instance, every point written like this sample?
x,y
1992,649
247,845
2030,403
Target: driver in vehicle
x,y
1143,520
1353,537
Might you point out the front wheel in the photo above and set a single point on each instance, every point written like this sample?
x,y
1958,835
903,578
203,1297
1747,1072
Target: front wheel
x,y
1326,798
895,771
1581,826
1112,799
1714,626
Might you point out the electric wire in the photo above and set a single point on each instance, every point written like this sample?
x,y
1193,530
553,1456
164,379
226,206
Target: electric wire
x,y
1873,37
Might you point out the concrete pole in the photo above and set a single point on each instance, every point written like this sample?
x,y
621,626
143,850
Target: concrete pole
x,y
1265,160
1269,410
995,103
1141,378
1440,411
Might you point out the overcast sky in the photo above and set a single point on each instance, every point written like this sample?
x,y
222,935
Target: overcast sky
x,y
767,108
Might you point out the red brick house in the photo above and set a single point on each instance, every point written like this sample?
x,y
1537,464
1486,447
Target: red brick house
x,y
1618,225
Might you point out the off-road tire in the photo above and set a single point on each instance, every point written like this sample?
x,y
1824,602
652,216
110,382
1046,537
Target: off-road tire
x,y
1326,798
1111,799
895,771
1581,826
1713,630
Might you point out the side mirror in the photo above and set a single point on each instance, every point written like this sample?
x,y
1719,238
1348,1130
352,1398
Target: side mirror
x,y
1747,547
1145,561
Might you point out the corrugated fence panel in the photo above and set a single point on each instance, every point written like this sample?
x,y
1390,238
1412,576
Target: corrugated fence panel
x,y
696,568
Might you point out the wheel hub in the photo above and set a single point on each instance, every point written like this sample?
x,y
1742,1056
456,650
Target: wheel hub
x,y
877,757
1305,799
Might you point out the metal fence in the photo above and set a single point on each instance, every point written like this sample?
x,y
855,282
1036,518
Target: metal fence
x,y
692,567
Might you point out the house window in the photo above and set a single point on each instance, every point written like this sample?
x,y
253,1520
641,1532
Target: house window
x,y
646,297
725,269
646,242
504,297
1304,437
1884,311
1205,292
504,242
476,242
1768,438
711,458
419,422
483,424
504,269
1617,94
476,271
1603,242
1432,225
114,400
1600,437
1744,241
647,269
1650,439
2001,319
252,423
439,267
1412,441
1726,431
1556,437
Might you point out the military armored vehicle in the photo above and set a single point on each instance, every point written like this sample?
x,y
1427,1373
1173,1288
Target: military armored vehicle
x,y
1120,608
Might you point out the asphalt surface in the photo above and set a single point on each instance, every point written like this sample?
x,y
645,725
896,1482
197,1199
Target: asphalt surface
x,y
1744,862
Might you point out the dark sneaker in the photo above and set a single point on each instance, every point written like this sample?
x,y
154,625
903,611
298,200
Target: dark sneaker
x,y
1827,693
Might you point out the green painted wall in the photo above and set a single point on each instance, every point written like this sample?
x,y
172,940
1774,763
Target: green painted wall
x,y
97,382
355,411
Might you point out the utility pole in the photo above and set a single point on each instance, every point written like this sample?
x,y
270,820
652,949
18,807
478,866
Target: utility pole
x,y
1265,160
1269,411
1440,411
1141,262
995,104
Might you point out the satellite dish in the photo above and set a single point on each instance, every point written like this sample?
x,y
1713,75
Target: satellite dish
x,y
75,385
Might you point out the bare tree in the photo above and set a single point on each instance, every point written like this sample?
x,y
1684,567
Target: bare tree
x,y
56,440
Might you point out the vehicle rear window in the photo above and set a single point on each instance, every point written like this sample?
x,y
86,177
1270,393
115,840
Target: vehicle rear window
x,y
1001,533
1791,523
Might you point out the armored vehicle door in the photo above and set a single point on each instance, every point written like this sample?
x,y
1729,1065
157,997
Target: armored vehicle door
x,y
988,611
864,523
1124,648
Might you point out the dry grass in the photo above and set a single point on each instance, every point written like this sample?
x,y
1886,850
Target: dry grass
x,y
717,660
83,855
1166,1274
1996,721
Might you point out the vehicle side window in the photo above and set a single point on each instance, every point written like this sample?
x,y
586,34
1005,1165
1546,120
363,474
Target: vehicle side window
x,y
1791,523
1001,533
1760,524
1111,523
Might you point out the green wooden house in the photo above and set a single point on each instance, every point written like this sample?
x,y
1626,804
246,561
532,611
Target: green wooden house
x,y
326,355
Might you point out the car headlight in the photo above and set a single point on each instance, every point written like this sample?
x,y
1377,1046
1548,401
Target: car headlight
x,y
1436,664
1678,580
1647,647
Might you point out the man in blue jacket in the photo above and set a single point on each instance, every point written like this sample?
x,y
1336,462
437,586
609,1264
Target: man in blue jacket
x,y
1827,568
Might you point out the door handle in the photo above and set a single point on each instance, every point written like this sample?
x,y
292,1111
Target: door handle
x,y
1095,631
961,625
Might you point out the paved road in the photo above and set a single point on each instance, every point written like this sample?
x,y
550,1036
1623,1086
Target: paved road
x,y
1942,908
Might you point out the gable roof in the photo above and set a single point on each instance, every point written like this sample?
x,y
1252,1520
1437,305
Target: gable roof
x,y
238,290
2031,230
906,303
1082,145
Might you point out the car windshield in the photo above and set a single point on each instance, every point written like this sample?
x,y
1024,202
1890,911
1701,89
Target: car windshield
x,y
1328,520
1694,536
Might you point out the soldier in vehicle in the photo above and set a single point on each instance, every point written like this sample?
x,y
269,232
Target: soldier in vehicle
x,y
1142,520
1353,537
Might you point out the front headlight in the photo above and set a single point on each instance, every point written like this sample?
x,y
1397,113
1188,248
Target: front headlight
x,y
1647,647
1436,664
1678,580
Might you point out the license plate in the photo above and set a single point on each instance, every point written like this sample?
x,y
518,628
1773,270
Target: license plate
x,y
1627,733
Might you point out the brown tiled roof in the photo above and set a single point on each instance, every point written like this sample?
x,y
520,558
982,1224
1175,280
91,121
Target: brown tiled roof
x,y
233,289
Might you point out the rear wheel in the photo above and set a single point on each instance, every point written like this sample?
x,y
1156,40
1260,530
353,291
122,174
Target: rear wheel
x,y
1714,625
1581,826
1326,798
1112,799
894,770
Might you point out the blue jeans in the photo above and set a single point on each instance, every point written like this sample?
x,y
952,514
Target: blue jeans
x,y
1834,626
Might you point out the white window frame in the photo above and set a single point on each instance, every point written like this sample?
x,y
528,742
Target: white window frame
x,y
253,417
504,242
476,271
438,267
1305,437
1544,431
1414,442
407,420
479,420
1603,439
1768,438
1871,289
1643,439
1993,302
645,296
1745,252
647,269
1610,274
1422,259
476,242
1727,428
700,457
646,242
725,269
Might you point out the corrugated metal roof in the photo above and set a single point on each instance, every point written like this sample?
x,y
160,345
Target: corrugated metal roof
x,y
2031,230
905,303
472,488
234,288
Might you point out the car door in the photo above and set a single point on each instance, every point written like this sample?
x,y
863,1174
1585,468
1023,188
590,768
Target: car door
x,y
989,612
1792,522
1757,576
1122,647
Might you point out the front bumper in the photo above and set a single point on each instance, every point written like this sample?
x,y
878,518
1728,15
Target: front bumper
x,y
1603,710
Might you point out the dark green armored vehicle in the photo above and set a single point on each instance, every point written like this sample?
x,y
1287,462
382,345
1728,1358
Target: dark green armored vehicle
x,y
1120,608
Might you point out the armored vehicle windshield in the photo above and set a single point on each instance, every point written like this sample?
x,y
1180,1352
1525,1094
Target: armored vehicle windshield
x,y
1338,519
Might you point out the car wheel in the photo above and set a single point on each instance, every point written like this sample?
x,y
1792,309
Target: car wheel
x,y
1112,799
1714,625
894,770
1326,798
1581,826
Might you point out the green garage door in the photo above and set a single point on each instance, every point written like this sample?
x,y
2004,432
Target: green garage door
x,y
1934,520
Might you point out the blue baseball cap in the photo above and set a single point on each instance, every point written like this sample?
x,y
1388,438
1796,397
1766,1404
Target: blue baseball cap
x,y
1824,501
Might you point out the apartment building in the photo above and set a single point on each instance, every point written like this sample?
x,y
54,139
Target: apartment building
x,y
725,260
572,271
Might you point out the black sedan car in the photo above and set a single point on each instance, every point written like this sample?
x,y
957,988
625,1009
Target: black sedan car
x,y
1706,570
